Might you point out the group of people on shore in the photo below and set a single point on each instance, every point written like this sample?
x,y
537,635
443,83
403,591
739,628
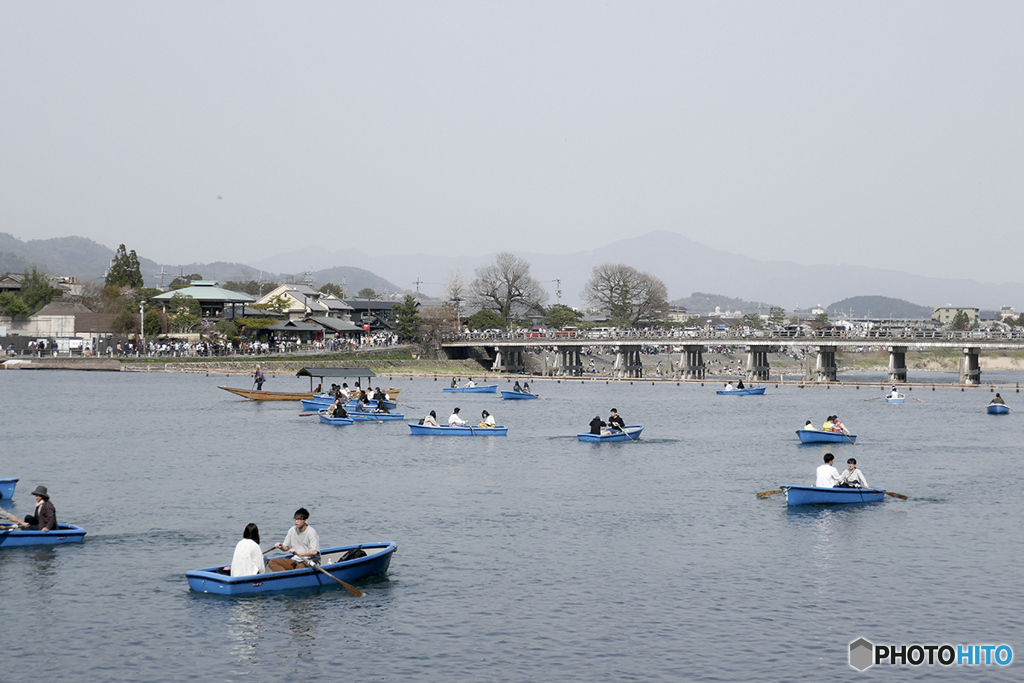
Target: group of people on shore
x,y
828,477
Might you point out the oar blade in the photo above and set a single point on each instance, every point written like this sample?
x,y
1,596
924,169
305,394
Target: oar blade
x,y
765,494
895,495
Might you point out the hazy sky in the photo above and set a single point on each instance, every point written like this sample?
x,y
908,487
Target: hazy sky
x,y
885,134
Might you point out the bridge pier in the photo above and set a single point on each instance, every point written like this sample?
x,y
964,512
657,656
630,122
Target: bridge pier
x,y
825,367
569,360
692,361
970,366
510,361
627,361
897,364
757,363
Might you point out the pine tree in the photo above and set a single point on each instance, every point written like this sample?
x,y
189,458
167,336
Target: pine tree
x,y
125,270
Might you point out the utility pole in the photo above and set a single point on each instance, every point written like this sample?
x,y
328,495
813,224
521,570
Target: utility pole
x,y
558,290
418,283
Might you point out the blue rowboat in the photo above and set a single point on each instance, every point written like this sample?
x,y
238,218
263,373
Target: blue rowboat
x,y
376,562
7,487
334,421
997,409
488,389
630,433
370,416
315,404
64,533
467,430
816,436
813,495
517,395
742,392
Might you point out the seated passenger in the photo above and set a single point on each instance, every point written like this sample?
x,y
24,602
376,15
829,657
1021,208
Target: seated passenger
x,y
248,558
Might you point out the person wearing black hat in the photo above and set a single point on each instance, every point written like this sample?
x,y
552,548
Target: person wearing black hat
x,y
455,420
45,518
596,424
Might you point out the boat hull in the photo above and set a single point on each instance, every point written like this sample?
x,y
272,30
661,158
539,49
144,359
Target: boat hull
x,y
376,563
375,417
742,392
517,395
997,409
335,421
895,400
64,533
445,430
318,403
815,436
630,433
269,395
7,487
814,495
488,389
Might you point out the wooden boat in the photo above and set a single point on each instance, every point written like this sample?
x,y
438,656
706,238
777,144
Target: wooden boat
x,y
742,392
517,395
7,487
630,433
11,536
467,430
814,495
270,395
818,436
997,409
334,421
370,416
376,563
483,389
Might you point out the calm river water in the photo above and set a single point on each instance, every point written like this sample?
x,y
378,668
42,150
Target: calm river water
x,y
526,558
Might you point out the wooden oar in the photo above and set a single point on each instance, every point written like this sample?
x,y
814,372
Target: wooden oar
x,y
874,399
347,586
307,414
406,405
917,399
765,494
895,495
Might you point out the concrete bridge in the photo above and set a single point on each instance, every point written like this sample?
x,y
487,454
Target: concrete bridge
x,y
506,352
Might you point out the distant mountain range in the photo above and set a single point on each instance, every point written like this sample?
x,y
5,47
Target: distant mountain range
x,y
879,307
684,265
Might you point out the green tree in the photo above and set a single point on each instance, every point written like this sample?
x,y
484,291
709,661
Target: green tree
x,y
278,304
753,321
776,316
227,328
36,290
407,318
152,325
183,313
124,323
560,315
13,305
331,288
822,319
367,293
959,321
125,270
185,280
485,320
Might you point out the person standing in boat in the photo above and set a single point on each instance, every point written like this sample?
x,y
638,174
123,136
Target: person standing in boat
x,y
431,420
45,518
454,420
828,475
852,478
258,378
998,400
248,558
301,540
615,421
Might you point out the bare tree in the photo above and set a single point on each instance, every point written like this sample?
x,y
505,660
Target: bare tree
x,y
631,297
506,285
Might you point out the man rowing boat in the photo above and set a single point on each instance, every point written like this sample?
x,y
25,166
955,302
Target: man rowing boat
x,y
301,541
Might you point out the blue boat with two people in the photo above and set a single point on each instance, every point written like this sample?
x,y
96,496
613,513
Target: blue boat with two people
x,y
334,421
741,392
517,395
816,495
376,562
628,433
818,436
12,536
483,389
460,430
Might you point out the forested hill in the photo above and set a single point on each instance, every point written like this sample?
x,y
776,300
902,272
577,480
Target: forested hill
x,y
880,307
701,303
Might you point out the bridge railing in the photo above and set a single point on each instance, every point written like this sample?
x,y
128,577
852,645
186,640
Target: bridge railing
x,y
907,335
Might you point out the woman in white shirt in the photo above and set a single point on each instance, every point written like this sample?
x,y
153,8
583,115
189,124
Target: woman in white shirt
x,y
486,419
248,558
